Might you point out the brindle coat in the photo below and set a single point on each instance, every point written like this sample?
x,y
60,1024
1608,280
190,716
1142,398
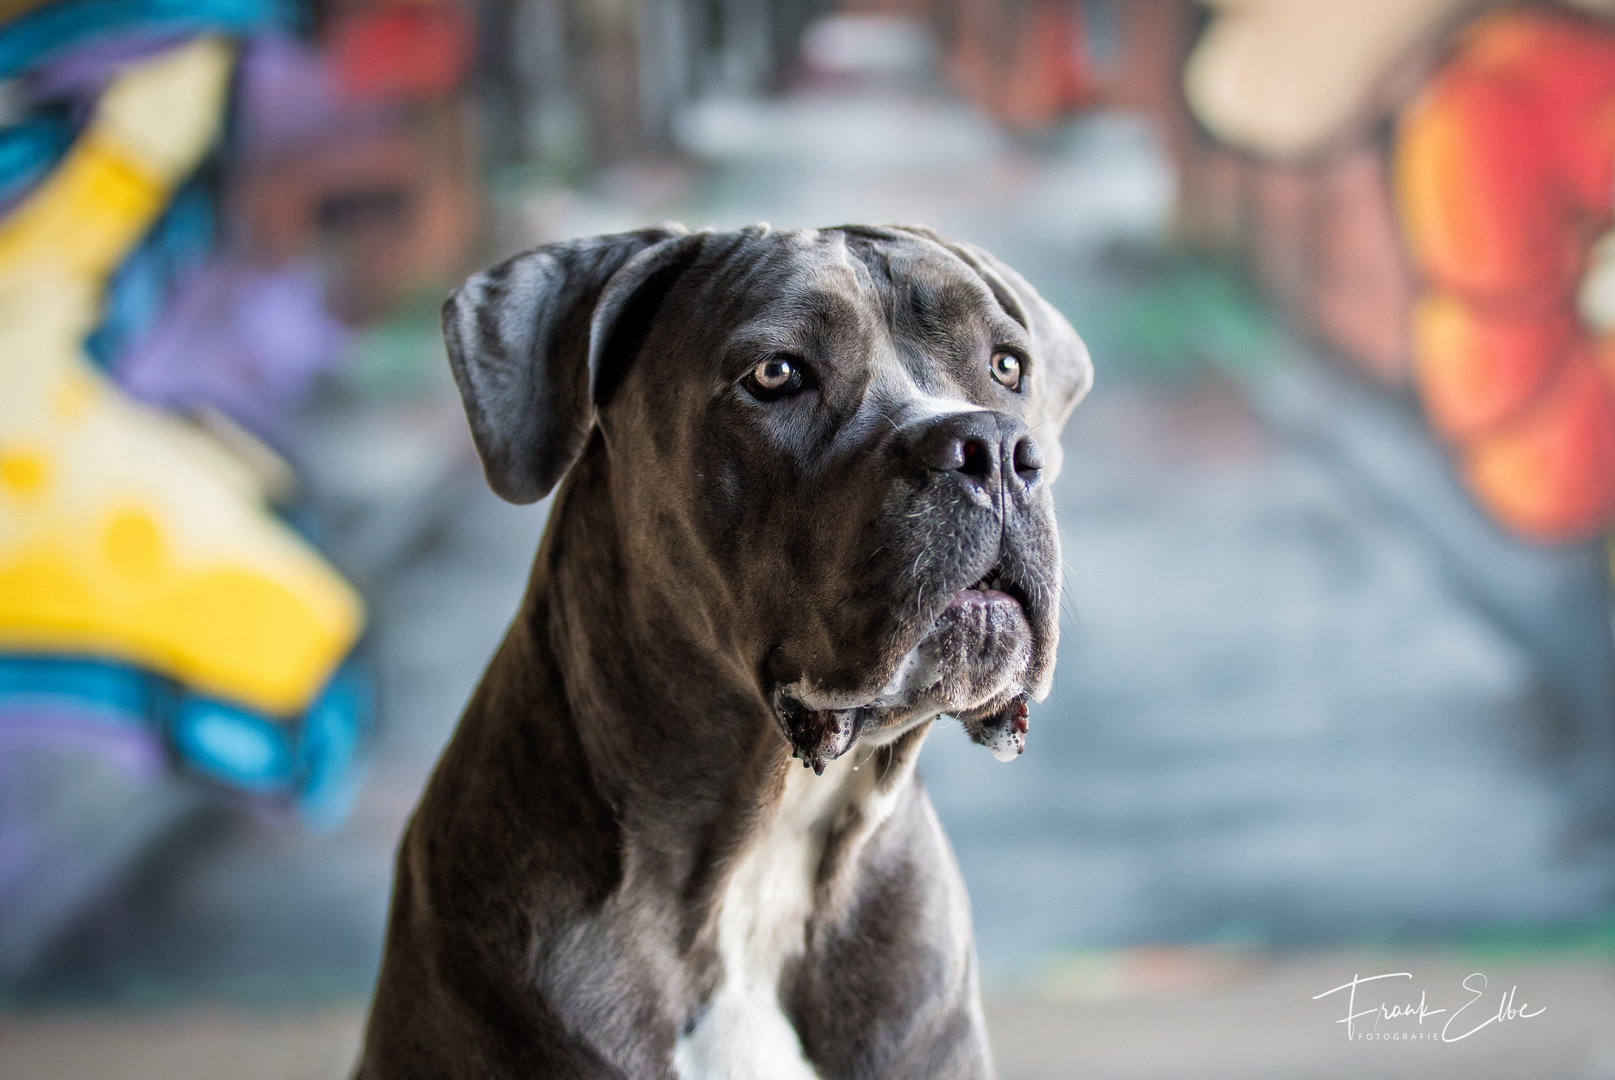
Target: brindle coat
x,y
617,869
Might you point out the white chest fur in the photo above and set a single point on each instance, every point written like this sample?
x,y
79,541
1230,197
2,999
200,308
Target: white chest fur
x,y
761,926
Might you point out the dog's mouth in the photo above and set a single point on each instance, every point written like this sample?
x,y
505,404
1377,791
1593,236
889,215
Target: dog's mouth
x,y
970,661
993,588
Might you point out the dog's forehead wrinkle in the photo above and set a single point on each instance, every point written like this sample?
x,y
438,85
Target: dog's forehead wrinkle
x,y
750,273
905,285
978,313
838,303
1003,298
813,308
942,312
905,401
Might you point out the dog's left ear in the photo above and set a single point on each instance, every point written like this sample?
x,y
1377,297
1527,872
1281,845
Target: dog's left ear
x,y
537,342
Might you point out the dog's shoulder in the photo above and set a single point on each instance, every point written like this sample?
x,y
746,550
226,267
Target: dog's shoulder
x,y
510,843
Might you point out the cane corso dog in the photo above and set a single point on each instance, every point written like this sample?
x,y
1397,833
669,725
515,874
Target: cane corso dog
x,y
803,512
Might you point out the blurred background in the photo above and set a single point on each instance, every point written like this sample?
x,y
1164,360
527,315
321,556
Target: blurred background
x,y
1337,685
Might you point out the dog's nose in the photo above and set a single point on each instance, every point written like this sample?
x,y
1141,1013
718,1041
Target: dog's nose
x,y
982,447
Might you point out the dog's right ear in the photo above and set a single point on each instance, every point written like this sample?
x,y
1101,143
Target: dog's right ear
x,y
528,338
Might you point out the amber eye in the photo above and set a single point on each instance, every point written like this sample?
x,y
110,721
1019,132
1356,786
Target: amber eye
x,y
774,378
1007,370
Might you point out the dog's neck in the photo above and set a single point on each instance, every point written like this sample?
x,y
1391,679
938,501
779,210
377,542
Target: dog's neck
x,y
678,738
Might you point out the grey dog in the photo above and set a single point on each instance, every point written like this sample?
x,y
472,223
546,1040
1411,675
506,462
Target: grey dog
x,y
803,512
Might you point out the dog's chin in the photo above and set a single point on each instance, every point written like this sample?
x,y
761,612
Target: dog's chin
x,y
986,652
977,661
980,648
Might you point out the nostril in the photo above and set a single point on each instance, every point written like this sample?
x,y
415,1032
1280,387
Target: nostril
x,y
977,462
1028,456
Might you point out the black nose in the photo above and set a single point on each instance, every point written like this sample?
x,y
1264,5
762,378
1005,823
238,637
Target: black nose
x,y
982,448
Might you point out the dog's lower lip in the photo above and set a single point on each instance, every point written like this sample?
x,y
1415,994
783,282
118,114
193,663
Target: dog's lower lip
x,y
972,595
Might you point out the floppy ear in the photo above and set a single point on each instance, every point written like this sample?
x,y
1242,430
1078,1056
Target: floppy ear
x,y
1062,371
530,338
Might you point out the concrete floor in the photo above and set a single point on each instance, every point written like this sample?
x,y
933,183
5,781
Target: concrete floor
x,y
1150,1014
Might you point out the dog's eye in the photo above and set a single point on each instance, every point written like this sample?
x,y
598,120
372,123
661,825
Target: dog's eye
x,y
776,377
1007,370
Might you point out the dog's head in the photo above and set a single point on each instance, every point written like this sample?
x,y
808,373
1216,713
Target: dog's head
x,y
830,454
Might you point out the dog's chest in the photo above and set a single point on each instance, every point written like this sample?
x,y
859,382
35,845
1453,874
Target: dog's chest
x,y
761,926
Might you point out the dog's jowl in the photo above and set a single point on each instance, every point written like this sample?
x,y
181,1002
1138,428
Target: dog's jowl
x,y
802,511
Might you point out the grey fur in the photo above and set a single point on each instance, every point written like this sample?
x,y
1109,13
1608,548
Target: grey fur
x,y
725,584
